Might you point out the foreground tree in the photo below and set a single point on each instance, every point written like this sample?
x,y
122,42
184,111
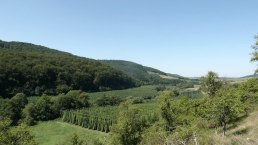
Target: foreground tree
x,y
177,116
19,135
42,110
12,108
129,126
167,110
226,107
210,83
255,52
249,96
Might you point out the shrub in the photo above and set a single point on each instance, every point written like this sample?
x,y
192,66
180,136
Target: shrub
x,y
111,101
12,108
42,110
135,100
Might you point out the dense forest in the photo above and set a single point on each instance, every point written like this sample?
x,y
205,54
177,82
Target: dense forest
x,y
144,75
36,70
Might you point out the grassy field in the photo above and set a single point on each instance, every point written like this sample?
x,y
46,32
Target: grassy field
x,y
55,132
143,91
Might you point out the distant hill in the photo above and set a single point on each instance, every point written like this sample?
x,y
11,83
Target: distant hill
x,y
233,78
251,76
239,79
142,74
34,70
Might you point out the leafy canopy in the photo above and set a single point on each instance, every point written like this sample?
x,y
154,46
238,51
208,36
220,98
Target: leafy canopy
x,y
210,83
255,51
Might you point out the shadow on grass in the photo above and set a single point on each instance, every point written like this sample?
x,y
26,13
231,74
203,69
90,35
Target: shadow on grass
x,y
236,122
242,131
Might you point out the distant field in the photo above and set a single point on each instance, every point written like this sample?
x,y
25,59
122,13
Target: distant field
x,y
168,77
143,91
162,75
55,132
195,88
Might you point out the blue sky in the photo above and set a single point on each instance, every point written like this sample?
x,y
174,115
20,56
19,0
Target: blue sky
x,y
186,37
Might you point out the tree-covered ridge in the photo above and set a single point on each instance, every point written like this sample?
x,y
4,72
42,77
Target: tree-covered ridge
x,y
142,74
28,47
35,70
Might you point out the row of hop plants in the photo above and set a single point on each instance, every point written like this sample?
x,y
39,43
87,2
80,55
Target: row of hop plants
x,y
102,118
87,121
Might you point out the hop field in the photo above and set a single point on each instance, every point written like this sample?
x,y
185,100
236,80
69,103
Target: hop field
x,y
102,118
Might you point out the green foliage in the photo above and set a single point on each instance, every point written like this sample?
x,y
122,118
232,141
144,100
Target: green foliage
x,y
165,101
176,111
154,135
75,140
72,100
160,88
255,51
102,118
83,98
108,101
48,108
182,119
177,124
63,102
20,100
210,84
19,135
12,108
37,70
95,118
43,109
191,94
142,74
249,94
135,100
226,107
250,86
127,130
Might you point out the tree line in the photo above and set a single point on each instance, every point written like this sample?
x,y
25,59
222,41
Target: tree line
x,y
36,70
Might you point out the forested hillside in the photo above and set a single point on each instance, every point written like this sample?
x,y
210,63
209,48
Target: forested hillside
x,y
36,70
142,74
